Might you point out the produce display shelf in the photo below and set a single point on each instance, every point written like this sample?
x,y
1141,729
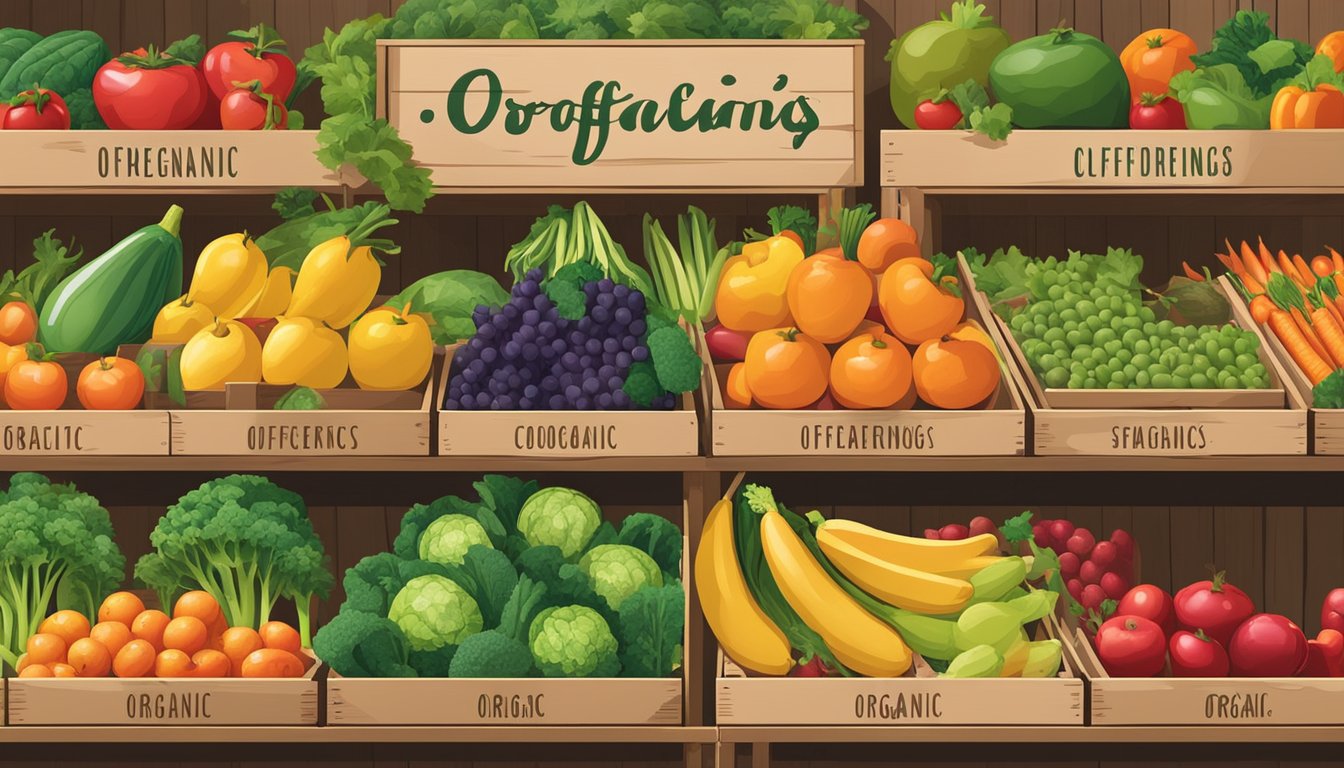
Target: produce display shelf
x,y
1145,162
359,735
1075,734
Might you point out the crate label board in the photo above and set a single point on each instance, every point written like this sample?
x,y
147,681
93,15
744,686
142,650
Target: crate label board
x,y
155,160
110,701
1149,159
709,114
365,701
84,433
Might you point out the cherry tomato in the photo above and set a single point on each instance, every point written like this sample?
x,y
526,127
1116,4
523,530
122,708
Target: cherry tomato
x,y
1131,646
1152,603
249,108
1195,654
255,54
36,109
36,385
147,90
18,323
110,384
1157,113
937,115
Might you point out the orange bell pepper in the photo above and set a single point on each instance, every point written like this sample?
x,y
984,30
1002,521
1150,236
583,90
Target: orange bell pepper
x,y
752,287
1314,99
1332,45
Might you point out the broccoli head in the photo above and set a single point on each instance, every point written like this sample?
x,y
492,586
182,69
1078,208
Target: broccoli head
x,y
503,651
652,623
1330,392
675,361
435,663
358,644
573,641
154,573
420,517
659,537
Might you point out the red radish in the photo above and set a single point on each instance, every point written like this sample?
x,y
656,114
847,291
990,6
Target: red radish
x,y
1093,597
726,345
1060,531
1081,543
1214,606
1131,646
1124,544
1195,654
1332,610
1068,565
1103,554
1089,573
814,667
953,532
1114,585
1267,645
1151,602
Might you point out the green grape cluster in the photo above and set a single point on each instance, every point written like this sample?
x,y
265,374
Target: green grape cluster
x,y
1081,329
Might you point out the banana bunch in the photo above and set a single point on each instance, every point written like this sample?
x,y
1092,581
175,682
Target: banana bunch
x,y
873,597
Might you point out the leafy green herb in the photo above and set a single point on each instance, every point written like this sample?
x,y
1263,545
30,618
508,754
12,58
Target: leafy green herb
x,y
1002,276
295,202
288,244
301,399
51,262
792,218
1330,392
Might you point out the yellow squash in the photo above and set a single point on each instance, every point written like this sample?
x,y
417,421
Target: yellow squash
x,y
390,351
230,273
908,588
752,291
336,282
943,557
744,631
858,639
300,351
224,351
275,294
179,320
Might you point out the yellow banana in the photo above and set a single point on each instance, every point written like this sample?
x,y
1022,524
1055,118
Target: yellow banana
x,y
230,273
966,568
903,587
858,639
921,554
336,283
744,631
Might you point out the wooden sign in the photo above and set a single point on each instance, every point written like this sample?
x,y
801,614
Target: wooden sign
x,y
111,701
478,702
84,433
157,161
652,115
1152,160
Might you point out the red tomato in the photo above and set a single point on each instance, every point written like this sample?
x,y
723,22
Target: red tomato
x,y
255,54
35,385
146,90
727,345
1332,610
36,109
1213,606
1325,655
249,108
1152,603
1195,654
209,119
937,116
110,384
1267,645
1131,646
1157,113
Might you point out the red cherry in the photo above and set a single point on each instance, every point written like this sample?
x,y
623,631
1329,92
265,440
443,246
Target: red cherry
x,y
1081,543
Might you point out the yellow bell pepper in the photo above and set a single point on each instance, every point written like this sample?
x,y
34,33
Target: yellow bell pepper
x,y
752,288
336,282
230,273
390,350
303,352
179,320
224,351
275,295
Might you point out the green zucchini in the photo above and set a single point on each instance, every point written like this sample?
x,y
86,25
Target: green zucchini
x,y
63,62
114,299
13,44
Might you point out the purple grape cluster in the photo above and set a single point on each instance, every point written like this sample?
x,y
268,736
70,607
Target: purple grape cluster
x,y
525,356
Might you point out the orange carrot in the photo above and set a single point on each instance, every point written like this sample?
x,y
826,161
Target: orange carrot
x,y
1330,332
1287,268
1308,332
1254,267
1267,259
1301,350
1261,308
1191,273
1336,258
1303,270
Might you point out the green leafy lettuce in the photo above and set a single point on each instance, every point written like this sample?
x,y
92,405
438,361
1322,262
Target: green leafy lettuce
x,y
1248,43
448,299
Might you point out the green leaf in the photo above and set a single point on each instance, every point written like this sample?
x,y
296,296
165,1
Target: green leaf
x,y
374,148
189,48
1273,54
969,97
293,202
449,298
996,122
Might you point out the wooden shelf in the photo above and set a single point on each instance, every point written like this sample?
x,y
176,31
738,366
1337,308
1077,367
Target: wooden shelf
x,y
359,735
1114,161
1040,734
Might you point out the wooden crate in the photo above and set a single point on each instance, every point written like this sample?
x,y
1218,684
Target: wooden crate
x,y
449,99
920,698
73,431
152,702
242,421
1181,431
486,702
155,162
997,428
1209,701
1155,161
1327,424
576,434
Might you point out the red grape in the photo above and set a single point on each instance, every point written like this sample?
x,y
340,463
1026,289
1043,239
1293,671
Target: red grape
x,y
981,525
1124,544
1081,542
953,532
1093,595
1114,585
1090,572
1103,554
1068,565
931,533
1075,589
1041,534
1060,531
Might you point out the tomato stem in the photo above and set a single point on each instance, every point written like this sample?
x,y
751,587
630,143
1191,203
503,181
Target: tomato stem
x,y
789,334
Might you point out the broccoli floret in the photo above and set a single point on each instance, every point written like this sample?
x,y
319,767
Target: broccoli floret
x,y
358,644
566,583
659,537
503,651
674,360
641,384
421,516
651,627
435,663
153,572
573,641
1330,392
565,288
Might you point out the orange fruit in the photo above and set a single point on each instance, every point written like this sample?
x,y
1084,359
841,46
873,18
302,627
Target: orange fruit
x,y
135,659
886,241
953,374
90,658
112,634
149,625
173,663
62,670
871,371
828,296
237,643
37,670
44,648
916,308
278,634
211,663
198,604
185,633
70,625
786,369
272,662
122,607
